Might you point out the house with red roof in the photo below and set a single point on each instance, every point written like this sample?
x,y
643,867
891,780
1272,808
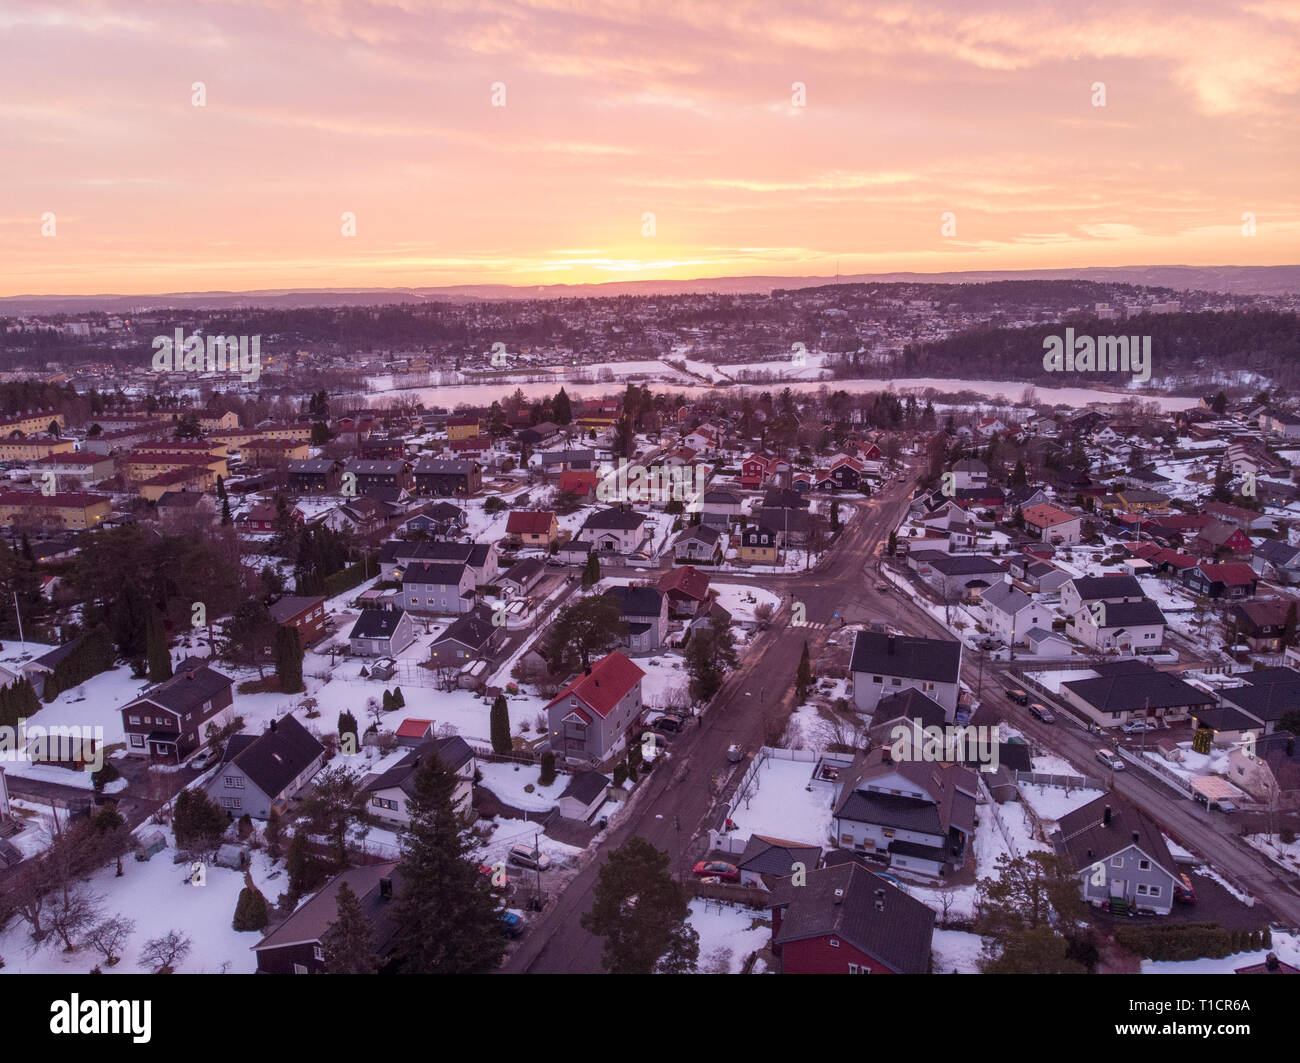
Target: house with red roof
x,y
760,469
579,482
590,715
532,528
685,587
1234,580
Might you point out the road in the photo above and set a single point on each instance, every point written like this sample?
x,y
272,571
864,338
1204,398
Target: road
x,y
674,813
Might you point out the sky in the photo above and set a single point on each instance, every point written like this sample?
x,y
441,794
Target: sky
x,y
227,145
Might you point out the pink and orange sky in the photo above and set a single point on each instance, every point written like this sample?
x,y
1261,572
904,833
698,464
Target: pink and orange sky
x,y
617,109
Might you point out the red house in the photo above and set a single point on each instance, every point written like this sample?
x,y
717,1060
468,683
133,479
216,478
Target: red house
x,y
847,920
758,469
579,482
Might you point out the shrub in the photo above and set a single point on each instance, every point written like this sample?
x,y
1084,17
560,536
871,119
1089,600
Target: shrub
x,y
250,911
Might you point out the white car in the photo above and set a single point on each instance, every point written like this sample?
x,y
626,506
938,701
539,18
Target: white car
x,y
204,760
1110,760
1135,727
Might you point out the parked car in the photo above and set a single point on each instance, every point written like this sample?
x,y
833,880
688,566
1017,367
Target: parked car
x,y
657,740
554,562
204,760
1110,760
1184,891
1018,696
512,925
717,869
882,586
1135,727
669,723
1041,712
525,856
735,754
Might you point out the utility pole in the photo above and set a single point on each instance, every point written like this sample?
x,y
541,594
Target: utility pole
x,y
19,615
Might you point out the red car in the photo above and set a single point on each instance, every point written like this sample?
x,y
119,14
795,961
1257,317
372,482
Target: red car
x,y
718,869
1184,891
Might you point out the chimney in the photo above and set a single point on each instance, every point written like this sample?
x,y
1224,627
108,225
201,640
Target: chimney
x,y
1105,819
386,889
889,645
587,670
1270,961
272,727
839,897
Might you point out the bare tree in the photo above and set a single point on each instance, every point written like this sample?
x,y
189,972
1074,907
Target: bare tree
x,y
164,953
72,914
109,936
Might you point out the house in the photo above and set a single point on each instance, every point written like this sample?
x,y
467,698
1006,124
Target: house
x,y
529,528
1010,613
1035,576
766,861
1264,698
1239,517
473,636
846,920
1119,855
438,519
615,530
183,510
447,477
1276,560
542,434
521,577
1261,624
760,469
437,588
963,578
360,516
396,555
918,814
970,472
315,476
719,508
758,546
583,796
389,793
1124,627
413,732
381,633
1234,580
165,723
371,476
74,510
1221,541
306,615
1123,691
559,461
1044,642
383,447
580,483
698,542
685,587
589,716
644,609
260,773
295,946
884,664
1053,525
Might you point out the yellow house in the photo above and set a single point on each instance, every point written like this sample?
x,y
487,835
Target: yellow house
x,y
758,546
181,446
462,428
34,448
227,420
270,451
30,423
183,479
75,510
239,437
1141,500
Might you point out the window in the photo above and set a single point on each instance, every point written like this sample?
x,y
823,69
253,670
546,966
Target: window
x,y
318,953
135,720
230,802
1144,865
877,679
234,782
1116,861
299,968
1154,891
834,943
896,682
381,802
137,741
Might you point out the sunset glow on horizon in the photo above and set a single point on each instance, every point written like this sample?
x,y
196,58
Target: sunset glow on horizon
x,y
558,142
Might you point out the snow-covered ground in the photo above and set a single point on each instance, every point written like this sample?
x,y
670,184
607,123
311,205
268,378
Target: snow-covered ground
x,y
956,951
1050,803
728,934
741,600
508,782
781,804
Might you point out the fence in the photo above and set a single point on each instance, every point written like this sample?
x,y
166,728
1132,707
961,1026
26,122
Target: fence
x,y
1164,774
1065,782
750,896
992,806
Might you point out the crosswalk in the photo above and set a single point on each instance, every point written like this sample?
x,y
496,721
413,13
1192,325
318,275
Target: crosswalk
x,y
811,626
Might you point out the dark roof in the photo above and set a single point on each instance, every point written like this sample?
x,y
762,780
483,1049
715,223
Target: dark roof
x,y
615,520
775,856
637,601
906,656
453,753
287,608
448,575
909,704
1015,756
1094,588
474,629
376,623
1138,687
1086,838
1132,614
965,565
192,685
278,755
311,920
522,571
1268,700
444,467
869,913
586,786
890,810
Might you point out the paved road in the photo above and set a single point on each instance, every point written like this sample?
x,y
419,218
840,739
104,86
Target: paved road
x,y
674,813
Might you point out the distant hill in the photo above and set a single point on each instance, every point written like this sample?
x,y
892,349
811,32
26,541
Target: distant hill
x,y
1234,280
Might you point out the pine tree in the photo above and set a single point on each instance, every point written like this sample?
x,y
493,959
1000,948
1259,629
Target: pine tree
x,y
591,571
499,723
250,910
547,775
388,701
288,660
226,518
305,871
160,658
446,915
562,410
349,736
399,702
273,835
803,678
348,943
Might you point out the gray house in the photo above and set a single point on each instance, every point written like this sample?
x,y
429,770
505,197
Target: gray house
x,y
381,632
645,612
472,637
699,542
884,664
437,588
1120,856
259,773
590,716
389,794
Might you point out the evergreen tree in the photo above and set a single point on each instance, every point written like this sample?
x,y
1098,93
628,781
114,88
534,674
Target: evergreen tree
x,y
197,821
399,701
446,915
348,943
591,571
499,723
305,870
547,775
803,678
160,658
274,835
893,543
288,660
348,733
388,701
640,911
226,518
250,910
562,409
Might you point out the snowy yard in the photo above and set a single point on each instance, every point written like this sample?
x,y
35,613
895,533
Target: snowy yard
x,y
783,804
728,934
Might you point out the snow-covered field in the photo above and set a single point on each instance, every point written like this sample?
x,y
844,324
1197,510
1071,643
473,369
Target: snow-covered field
x,y
782,806
728,934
